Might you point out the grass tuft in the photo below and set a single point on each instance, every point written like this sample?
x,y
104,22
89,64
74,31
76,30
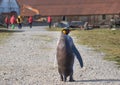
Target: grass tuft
x,y
4,34
104,40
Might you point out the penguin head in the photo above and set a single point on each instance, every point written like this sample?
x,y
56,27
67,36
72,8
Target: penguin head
x,y
66,31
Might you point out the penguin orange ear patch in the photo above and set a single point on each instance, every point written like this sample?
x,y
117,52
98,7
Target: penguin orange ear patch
x,y
64,32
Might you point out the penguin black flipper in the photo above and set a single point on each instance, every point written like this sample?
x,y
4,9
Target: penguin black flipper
x,y
78,56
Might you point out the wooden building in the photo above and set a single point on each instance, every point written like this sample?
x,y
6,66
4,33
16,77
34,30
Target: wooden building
x,y
93,11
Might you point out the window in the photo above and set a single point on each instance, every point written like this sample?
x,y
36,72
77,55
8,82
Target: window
x,y
103,16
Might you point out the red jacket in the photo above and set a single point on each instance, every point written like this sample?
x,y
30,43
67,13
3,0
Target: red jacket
x,y
12,20
49,19
30,19
7,20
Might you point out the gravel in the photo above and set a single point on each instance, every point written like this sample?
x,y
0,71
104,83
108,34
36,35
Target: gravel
x,y
27,58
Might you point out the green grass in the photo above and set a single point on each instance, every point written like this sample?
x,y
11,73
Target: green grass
x,y
4,34
105,40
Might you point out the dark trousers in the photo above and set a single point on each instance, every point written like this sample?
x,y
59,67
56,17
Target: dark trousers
x,y
30,25
49,24
19,25
7,25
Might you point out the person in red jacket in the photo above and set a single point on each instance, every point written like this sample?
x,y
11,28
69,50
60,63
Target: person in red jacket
x,y
30,21
49,19
7,21
12,21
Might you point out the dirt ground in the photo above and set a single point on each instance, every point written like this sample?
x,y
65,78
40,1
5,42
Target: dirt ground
x,y
27,58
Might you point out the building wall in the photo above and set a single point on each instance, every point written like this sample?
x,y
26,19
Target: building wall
x,y
103,20
9,6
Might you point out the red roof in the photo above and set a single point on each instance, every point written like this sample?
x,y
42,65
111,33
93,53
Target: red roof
x,y
70,7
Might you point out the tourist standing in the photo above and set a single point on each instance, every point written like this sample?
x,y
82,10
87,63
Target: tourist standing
x,y
19,22
49,21
30,21
12,21
7,21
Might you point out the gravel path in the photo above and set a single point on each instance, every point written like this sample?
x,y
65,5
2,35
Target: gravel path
x,y
27,58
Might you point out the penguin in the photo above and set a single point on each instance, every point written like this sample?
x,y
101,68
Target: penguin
x,y
66,52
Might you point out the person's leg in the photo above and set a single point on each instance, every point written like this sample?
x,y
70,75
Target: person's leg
x,y
30,25
49,24
7,25
20,25
13,26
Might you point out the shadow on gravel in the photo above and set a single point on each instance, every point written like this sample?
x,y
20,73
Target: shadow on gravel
x,y
10,31
99,80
